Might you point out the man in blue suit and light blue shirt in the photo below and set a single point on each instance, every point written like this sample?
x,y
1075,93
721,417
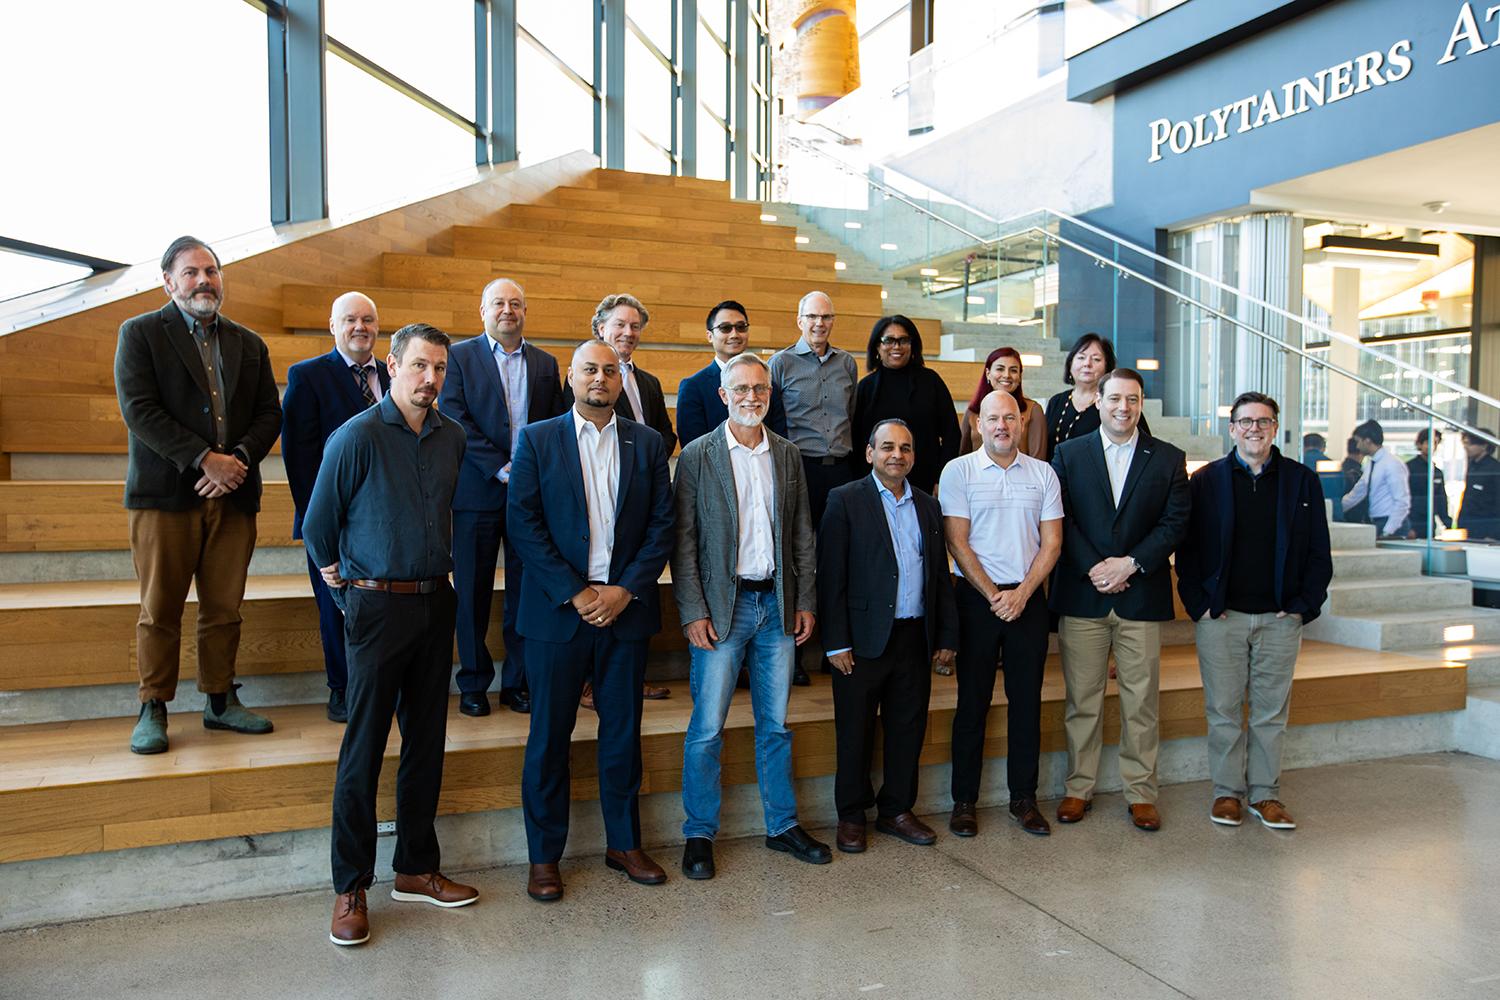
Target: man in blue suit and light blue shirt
x,y
496,385
591,514
699,408
322,393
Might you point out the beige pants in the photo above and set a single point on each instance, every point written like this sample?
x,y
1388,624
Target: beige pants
x,y
1085,645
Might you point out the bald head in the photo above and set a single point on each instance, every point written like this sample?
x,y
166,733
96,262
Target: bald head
x,y
502,307
354,325
1000,426
594,377
815,319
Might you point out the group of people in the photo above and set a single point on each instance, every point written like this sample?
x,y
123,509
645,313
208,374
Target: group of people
x,y
803,502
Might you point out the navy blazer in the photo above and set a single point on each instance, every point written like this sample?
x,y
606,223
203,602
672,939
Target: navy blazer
x,y
1304,562
547,521
474,395
1148,525
320,395
700,410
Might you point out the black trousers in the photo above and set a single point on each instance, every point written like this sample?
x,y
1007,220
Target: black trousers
x,y
897,684
477,535
399,648
617,669
823,479
982,640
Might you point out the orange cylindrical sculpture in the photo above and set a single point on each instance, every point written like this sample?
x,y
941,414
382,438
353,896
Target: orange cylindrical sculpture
x,y
827,53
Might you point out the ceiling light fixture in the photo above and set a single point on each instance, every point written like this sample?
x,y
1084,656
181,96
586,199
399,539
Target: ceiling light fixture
x,y
1362,246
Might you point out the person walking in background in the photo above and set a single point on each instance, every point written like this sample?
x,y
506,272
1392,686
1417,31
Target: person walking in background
x,y
1383,484
1479,509
1417,473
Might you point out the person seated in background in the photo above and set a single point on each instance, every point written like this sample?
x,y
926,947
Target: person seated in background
x,y
1416,471
901,385
1002,370
1351,468
1479,509
1314,452
1383,484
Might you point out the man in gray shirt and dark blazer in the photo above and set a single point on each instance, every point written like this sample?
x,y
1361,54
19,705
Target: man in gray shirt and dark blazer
x,y
745,576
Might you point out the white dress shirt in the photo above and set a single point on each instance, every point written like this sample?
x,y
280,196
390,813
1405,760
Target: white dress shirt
x,y
1005,509
1117,460
632,391
1386,482
754,492
372,379
599,459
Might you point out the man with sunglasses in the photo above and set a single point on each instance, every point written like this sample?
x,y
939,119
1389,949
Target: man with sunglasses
x,y
1250,601
699,408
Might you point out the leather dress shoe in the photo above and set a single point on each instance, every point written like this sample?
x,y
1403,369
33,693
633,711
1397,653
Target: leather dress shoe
x,y
1071,809
655,692
351,919
636,864
799,677
435,888
1145,817
474,704
799,845
1030,817
698,858
544,884
338,708
851,836
963,822
907,827
1226,811
519,700
1273,815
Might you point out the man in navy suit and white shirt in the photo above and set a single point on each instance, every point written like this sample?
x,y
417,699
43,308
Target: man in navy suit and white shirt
x,y
591,514
322,393
699,408
496,384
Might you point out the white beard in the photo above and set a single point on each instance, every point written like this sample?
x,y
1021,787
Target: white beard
x,y
746,419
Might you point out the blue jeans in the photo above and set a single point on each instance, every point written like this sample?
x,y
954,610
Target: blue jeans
x,y
757,628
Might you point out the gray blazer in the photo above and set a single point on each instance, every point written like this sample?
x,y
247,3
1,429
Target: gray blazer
x,y
708,533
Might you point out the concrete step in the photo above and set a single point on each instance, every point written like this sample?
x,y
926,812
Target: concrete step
x,y
1351,536
1440,628
1419,593
1375,564
65,567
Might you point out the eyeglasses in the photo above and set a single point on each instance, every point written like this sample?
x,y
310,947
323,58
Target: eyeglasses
x,y
819,317
741,391
895,341
726,328
1258,423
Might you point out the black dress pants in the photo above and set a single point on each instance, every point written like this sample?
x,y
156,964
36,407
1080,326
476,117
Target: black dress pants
x,y
982,640
399,648
823,478
477,535
896,684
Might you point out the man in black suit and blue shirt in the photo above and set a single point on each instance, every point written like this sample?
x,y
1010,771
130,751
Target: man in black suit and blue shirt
x,y
885,600
591,514
1125,503
496,385
322,393
699,408
1253,569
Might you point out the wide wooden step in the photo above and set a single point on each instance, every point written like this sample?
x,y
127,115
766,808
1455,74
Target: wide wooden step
x,y
568,219
667,206
687,187
74,788
637,250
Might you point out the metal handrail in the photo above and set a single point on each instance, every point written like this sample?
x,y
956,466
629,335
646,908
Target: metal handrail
x,y
1019,221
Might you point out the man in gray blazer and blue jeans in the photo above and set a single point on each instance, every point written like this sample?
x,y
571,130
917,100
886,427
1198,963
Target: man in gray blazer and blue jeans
x,y
744,573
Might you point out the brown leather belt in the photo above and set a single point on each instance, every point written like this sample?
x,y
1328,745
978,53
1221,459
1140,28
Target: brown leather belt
x,y
400,586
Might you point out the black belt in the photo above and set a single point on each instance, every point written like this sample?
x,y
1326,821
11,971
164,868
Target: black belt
x,y
829,460
758,586
427,586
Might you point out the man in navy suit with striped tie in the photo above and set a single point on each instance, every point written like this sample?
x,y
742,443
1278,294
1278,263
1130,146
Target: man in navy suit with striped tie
x,y
322,393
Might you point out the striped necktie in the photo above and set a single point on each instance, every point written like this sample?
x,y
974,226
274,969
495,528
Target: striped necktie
x,y
364,384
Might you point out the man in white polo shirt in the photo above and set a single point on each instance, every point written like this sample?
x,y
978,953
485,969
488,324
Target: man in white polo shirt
x,y
1002,514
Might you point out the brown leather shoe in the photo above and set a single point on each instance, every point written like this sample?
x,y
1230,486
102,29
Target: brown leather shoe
x,y
652,692
637,864
351,919
1025,812
851,836
1071,810
1273,814
1145,816
907,827
544,884
962,822
1226,811
435,888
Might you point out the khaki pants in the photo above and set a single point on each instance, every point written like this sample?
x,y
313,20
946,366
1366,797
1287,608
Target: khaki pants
x,y
211,545
1085,645
1236,654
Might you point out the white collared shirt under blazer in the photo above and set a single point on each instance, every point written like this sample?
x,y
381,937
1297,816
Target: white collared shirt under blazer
x,y
1005,509
1117,458
754,492
599,459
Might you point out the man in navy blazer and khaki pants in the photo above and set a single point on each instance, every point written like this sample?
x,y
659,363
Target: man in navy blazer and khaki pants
x,y
591,514
322,393
1250,601
496,384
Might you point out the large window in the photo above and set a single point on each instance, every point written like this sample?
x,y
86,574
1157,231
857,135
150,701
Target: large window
x,y
429,46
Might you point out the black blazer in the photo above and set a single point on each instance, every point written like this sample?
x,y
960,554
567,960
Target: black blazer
x,y
857,572
928,411
1148,525
1304,562
164,398
1479,509
653,401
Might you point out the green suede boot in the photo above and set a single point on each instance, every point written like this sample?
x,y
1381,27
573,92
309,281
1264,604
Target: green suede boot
x,y
150,733
236,717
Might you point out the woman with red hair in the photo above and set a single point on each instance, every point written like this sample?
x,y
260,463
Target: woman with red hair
x,y
1002,370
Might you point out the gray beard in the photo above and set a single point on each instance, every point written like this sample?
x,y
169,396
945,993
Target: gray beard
x,y
747,419
192,308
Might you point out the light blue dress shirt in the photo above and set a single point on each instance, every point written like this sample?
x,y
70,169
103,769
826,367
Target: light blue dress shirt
x,y
1386,483
512,365
906,540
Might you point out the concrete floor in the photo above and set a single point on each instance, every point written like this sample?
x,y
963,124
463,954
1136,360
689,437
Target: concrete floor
x,y
1387,890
